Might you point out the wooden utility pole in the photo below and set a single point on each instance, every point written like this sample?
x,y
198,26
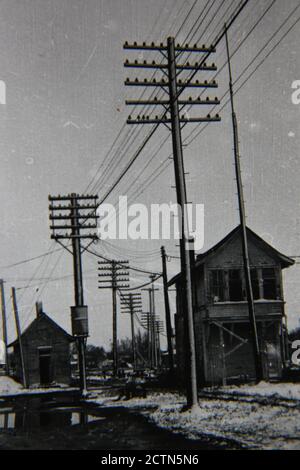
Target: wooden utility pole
x,y
114,305
150,323
158,330
133,337
78,285
147,323
156,351
149,319
112,275
132,304
19,336
167,310
242,213
4,325
80,212
173,87
182,202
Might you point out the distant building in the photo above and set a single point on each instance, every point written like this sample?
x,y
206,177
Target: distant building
x,y
46,350
222,328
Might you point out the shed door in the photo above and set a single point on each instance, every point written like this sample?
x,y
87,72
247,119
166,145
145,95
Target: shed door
x,y
45,366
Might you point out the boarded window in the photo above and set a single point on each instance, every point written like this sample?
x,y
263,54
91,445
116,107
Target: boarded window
x,y
235,285
269,283
217,285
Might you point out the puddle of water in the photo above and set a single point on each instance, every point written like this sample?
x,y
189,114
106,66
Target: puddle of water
x,y
44,412
50,419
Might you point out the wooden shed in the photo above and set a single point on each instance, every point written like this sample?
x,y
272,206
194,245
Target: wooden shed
x,y
46,351
222,328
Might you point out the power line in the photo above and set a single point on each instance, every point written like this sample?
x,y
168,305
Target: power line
x,y
108,172
143,285
259,64
120,158
132,268
155,127
125,138
166,163
238,48
39,293
187,17
167,137
28,260
119,133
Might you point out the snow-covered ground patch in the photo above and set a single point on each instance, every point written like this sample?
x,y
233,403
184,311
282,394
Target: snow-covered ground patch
x,y
246,423
288,391
9,386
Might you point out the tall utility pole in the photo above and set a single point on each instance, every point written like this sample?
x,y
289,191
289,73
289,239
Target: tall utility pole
x,y
154,327
242,213
112,275
149,323
4,325
153,324
159,328
19,336
132,304
70,217
145,321
173,87
167,310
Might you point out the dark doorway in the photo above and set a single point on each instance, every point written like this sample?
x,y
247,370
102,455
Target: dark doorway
x,y
45,367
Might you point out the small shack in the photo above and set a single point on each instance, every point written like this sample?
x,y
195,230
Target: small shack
x,y
46,352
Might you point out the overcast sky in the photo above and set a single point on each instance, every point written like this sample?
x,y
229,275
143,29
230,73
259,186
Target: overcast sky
x,y
62,62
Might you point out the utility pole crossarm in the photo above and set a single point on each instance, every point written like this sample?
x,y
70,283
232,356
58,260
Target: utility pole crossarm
x,y
163,47
190,102
185,120
187,66
164,84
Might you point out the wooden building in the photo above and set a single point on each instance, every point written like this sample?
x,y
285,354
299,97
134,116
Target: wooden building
x,y
222,328
46,351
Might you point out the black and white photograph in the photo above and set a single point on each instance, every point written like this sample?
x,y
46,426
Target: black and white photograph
x,y
150,228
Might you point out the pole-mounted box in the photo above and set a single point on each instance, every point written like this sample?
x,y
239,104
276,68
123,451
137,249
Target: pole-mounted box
x,y
79,318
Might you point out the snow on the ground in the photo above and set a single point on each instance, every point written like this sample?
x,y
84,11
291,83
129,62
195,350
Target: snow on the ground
x,y
290,391
249,424
9,386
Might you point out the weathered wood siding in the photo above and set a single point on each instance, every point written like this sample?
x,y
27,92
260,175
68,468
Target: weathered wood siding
x,y
44,334
239,310
231,255
218,359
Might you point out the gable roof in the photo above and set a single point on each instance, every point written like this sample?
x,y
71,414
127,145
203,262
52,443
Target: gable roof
x,y
284,260
43,316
